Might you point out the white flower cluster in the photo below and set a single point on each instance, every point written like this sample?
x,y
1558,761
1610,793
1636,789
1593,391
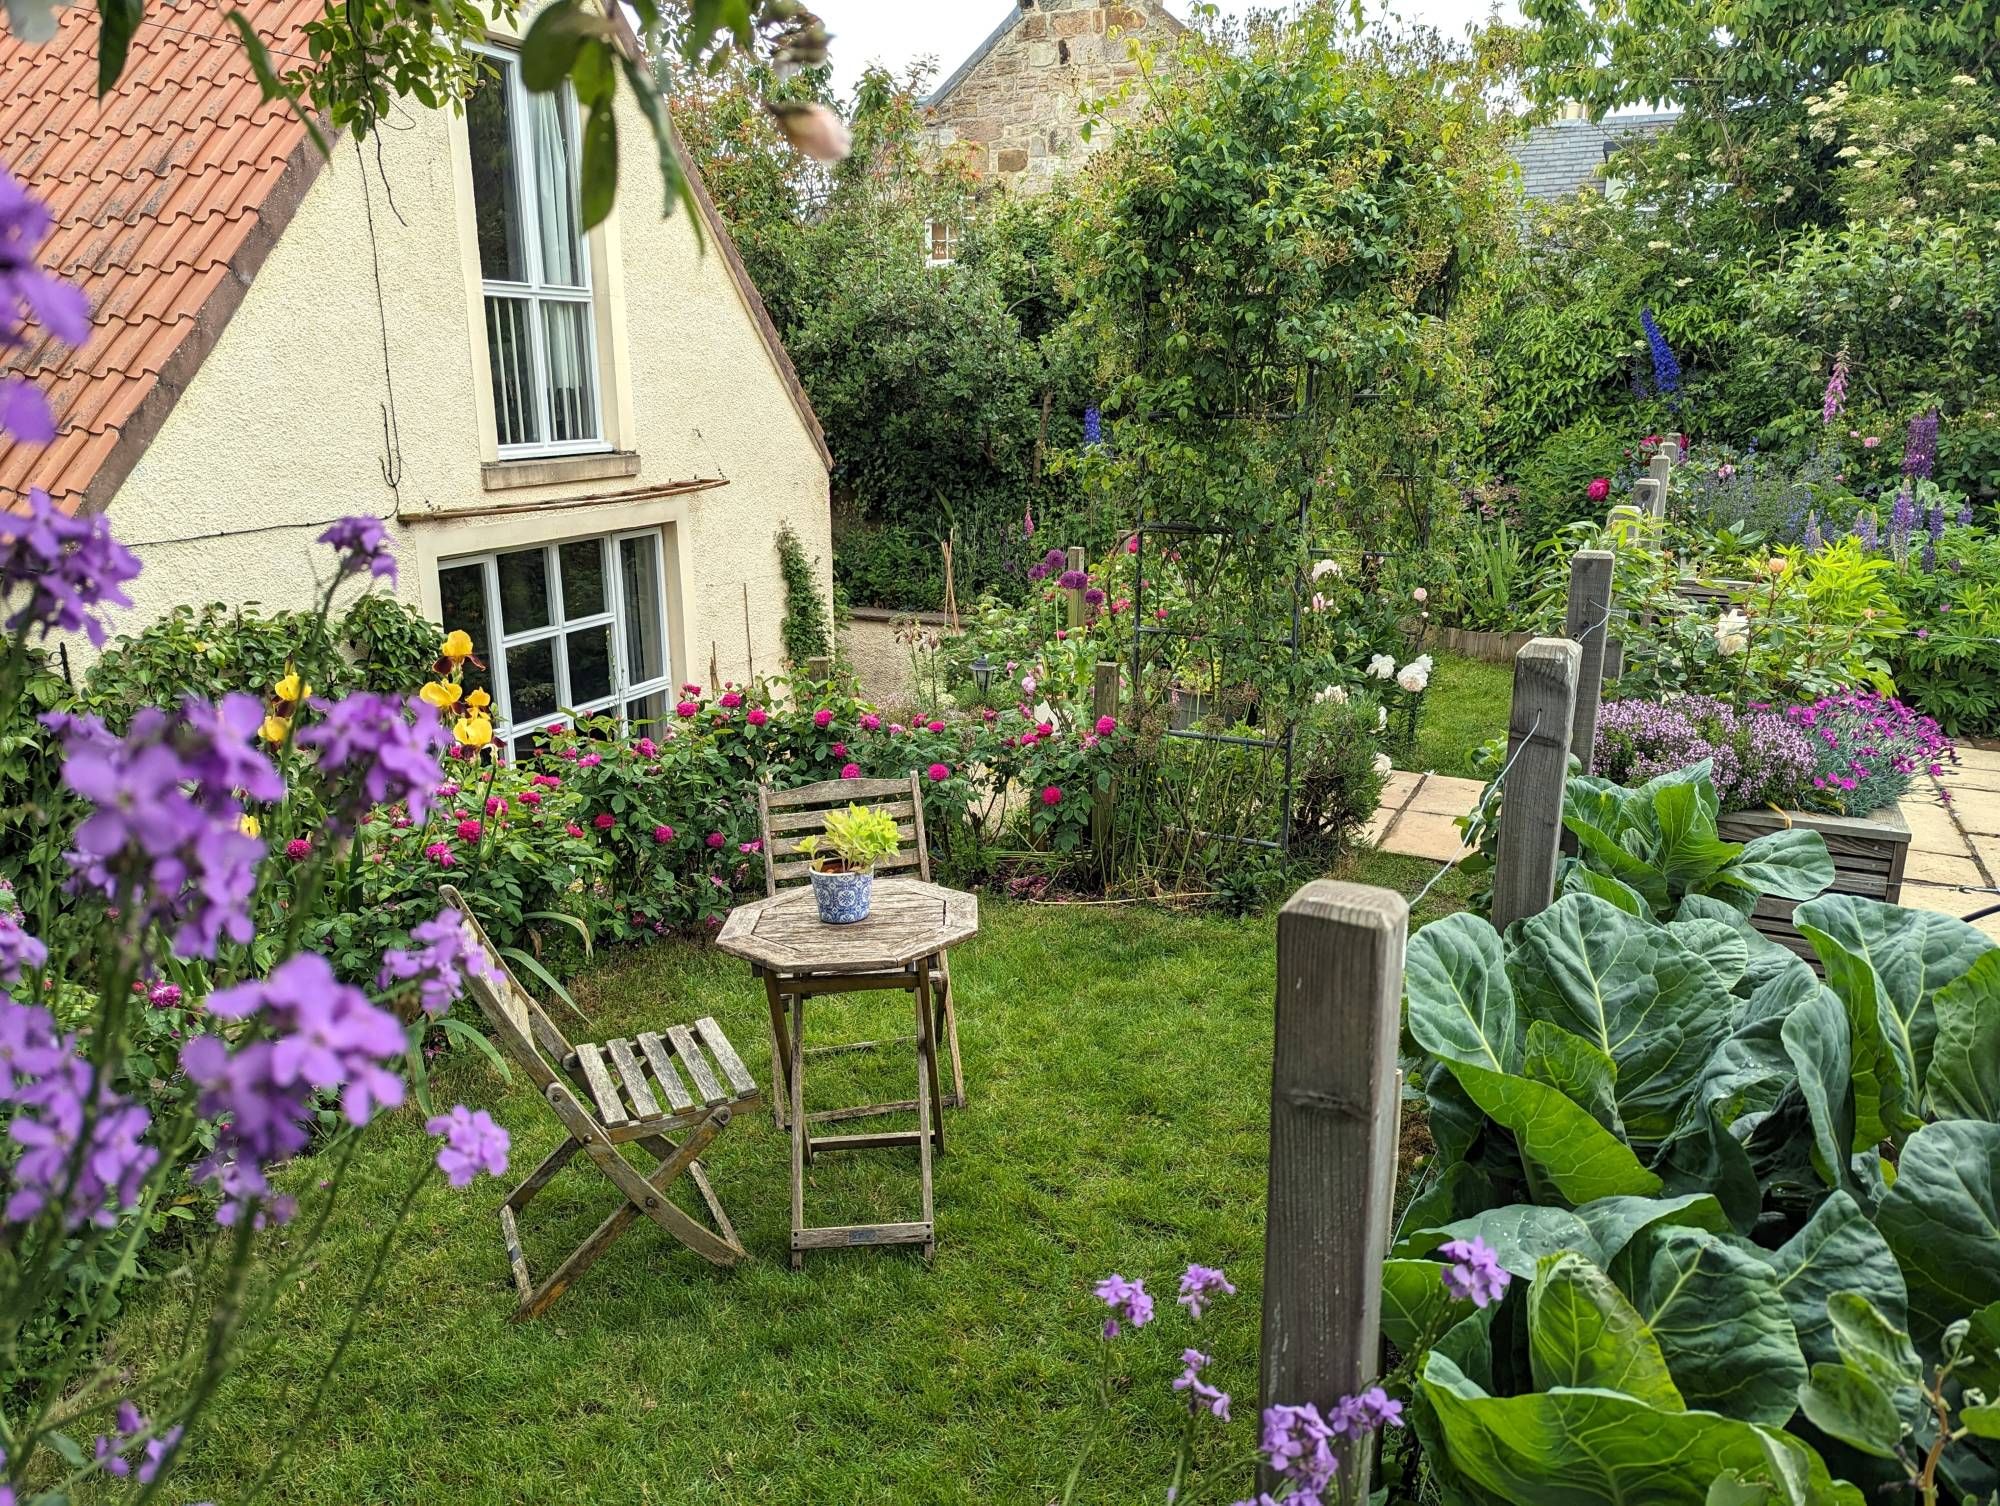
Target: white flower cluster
x,y
1334,693
1732,633
1415,677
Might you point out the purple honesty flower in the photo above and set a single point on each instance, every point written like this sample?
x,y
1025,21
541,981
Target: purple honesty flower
x,y
1201,1285
166,836
1666,368
1836,391
1200,1393
1299,1445
19,952
378,750
60,1103
27,292
447,951
69,567
1920,452
363,545
1474,1273
472,1143
1073,580
1355,1417
1128,1302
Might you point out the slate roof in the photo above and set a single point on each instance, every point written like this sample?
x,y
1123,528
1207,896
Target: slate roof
x,y
167,194
1564,156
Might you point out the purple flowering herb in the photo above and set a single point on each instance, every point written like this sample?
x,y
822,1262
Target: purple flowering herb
x,y
1201,1395
69,568
1473,1272
472,1143
1836,391
363,545
445,953
27,292
378,750
1128,1303
82,1144
1666,366
166,836
1920,451
1201,1285
1756,757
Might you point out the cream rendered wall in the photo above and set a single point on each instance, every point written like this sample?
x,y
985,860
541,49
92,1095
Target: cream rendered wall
x,y
282,429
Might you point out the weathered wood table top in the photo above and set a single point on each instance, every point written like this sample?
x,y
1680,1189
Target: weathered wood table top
x,y
908,921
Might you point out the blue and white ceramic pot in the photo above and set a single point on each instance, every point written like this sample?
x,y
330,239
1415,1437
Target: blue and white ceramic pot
x,y
843,897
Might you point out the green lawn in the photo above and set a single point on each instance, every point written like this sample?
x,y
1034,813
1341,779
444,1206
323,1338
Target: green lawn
x,y
1465,708
1118,1061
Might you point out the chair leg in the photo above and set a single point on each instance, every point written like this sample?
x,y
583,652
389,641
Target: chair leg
x,y
796,1079
665,1149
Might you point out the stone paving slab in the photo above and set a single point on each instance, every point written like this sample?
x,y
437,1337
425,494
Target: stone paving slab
x,y
1419,815
1442,795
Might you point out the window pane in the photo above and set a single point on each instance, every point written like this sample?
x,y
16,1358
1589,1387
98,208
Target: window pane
x,y
572,379
589,665
496,177
646,713
517,413
524,597
462,596
531,681
555,190
645,644
583,579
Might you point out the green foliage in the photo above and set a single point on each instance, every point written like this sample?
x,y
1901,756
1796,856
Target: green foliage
x,y
1642,1032
807,632
394,646
860,837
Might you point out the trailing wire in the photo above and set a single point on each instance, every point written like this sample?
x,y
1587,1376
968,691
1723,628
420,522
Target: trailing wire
x,y
1485,803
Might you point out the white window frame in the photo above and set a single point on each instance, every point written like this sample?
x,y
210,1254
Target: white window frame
x,y
506,730
950,257
535,291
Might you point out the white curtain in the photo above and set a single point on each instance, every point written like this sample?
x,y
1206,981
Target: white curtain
x,y
562,250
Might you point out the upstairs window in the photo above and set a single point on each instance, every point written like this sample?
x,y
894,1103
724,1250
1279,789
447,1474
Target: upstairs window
x,y
534,265
943,244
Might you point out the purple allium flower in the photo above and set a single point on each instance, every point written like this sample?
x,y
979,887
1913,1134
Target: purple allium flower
x,y
1473,1273
19,952
1056,559
1200,1393
52,1092
1666,368
1200,1284
377,750
472,1143
1038,572
1920,452
1299,1445
28,292
1093,597
168,824
446,952
1073,580
1836,391
1128,1303
69,566
363,545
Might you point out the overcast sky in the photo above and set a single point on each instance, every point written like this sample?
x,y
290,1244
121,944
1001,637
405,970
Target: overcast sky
x,y
898,32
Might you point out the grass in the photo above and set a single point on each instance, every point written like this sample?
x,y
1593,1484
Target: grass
x,y
1118,1062
1465,709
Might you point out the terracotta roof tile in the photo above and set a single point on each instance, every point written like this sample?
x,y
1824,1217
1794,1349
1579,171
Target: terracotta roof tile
x,y
155,188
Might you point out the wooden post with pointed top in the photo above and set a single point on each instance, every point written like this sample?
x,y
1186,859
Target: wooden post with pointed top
x,y
1335,1118
1531,799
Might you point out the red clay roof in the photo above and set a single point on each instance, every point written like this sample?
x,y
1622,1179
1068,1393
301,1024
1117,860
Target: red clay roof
x,y
167,194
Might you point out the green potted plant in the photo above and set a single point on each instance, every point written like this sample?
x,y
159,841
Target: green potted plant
x,y
843,878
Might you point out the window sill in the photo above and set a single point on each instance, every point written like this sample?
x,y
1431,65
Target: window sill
x,y
509,475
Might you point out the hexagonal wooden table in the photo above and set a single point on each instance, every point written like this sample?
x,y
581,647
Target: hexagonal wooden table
x,y
910,926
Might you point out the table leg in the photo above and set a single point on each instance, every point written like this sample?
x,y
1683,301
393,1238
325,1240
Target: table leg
x,y
926,1101
797,1085
781,1051
927,1048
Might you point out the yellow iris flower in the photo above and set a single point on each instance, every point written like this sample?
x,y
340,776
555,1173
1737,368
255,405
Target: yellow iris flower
x,y
251,826
457,646
276,729
473,731
291,688
479,700
441,694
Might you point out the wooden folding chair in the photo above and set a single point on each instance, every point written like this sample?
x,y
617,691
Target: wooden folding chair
x,y
787,818
605,1107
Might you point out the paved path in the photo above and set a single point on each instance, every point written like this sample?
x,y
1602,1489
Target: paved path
x,y
1954,852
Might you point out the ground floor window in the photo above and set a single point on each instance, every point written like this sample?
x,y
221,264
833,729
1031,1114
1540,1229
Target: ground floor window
x,y
577,628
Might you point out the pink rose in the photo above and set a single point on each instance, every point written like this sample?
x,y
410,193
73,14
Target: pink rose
x,y
1106,725
852,771
871,722
1600,489
468,831
936,726
732,700
940,772
298,849
1052,795
604,821
840,750
759,716
715,839
573,829
687,709
822,718
663,834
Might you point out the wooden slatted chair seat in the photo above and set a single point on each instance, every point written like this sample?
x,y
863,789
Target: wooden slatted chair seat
x,y
686,1081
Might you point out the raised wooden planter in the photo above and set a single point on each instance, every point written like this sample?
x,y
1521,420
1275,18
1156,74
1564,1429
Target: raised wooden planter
x,y
1487,648
1869,856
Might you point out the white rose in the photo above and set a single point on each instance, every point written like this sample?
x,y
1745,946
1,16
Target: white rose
x,y
1334,693
1732,633
1383,763
1420,595
1325,568
1382,667
1414,678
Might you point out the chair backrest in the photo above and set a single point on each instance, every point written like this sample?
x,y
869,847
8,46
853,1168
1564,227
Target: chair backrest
x,y
523,1028
788,817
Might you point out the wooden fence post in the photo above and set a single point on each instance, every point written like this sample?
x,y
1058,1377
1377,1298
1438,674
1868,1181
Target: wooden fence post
x,y
1589,626
1335,1118
1074,598
1531,801
1104,702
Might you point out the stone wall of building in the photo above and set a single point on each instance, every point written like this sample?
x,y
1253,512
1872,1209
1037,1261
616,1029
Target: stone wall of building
x,y
1016,114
